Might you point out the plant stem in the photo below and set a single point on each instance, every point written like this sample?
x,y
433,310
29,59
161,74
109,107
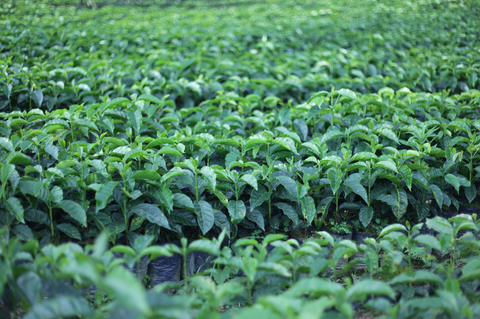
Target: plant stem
x,y
51,218
125,216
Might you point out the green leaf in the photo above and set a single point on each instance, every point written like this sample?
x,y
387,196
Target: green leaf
x,y
367,287
358,189
470,193
289,211
417,277
289,185
335,177
406,174
366,215
308,209
257,197
315,287
6,171
5,143
182,201
147,174
166,198
75,211
437,193
169,151
152,213
15,208
453,180
205,246
392,228
210,176
250,180
256,217
60,307
101,197
70,230
286,142
302,128
429,240
126,290
23,232
133,154
135,119
37,97
149,98
30,285
205,215
57,194
440,224
386,165
237,211
19,159
347,93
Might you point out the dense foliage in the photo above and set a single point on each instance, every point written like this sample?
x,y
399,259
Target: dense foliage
x,y
146,124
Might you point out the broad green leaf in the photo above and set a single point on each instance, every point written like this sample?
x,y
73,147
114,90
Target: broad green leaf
x,y
392,228
147,174
256,217
386,165
66,163
135,119
361,290
289,185
183,201
15,208
70,230
205,215
406,174
126,289
6,171
169,151
30,285
210,176
328,237
75,211
315,287
470,193
437,193
237,211
289,211
205,246
57,194
152,213
358,189
335,177
286,142
257,197
101,197
308,209
133,154
23,232
366,215
5,143
302,128
166,198
347,93
428,240
60,307
19,159
453,180
417,277
250,180
150,98
440,224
